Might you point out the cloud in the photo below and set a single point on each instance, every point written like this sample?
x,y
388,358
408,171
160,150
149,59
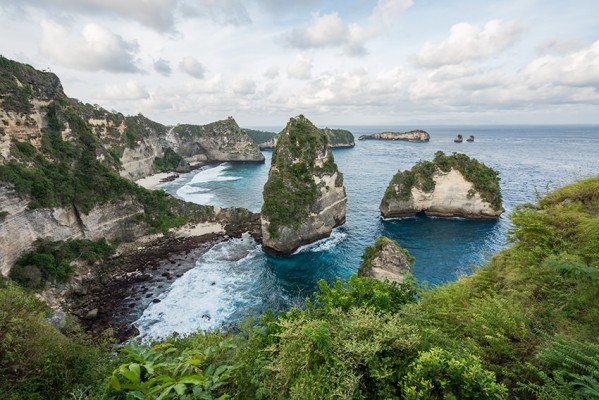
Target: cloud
x,y
93,49
329,30
467,42
162,66
325,30
131,90
579,68
272,72
192,67
243,86
300,68
224,12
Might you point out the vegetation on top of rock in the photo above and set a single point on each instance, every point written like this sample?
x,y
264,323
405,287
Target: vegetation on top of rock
x,y
19,82
290,190
52,261
371,251
339,137
259,136
484,179
169,162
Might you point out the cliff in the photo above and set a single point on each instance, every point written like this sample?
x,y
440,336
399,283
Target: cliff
x,y
62,164
259,136
304,197
386,260
448,186
411,136
338,138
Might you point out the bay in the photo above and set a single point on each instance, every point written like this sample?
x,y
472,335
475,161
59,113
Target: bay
x,y
236,279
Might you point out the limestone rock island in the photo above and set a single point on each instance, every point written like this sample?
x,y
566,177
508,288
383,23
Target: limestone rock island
x,y
304,197
411,136
448,186
386,260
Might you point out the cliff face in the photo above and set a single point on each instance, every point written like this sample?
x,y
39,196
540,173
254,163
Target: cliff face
x,y
60,162
22,226
411,136
304,197
386,260
449,186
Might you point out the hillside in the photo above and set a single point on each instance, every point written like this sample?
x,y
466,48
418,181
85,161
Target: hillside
x,y
523,326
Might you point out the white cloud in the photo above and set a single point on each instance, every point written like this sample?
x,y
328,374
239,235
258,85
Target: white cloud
x,y
225,12
192,67
325,30
329,30
467,42
162,66
579,68
131,90
272,72
300,68
243,86
93,49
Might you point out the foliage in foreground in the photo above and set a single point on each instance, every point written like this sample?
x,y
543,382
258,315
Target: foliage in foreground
x,y
525,326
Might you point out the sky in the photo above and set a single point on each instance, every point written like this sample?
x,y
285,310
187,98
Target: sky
x,y
340,63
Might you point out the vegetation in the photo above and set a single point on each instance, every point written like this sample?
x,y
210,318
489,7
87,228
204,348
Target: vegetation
x,y
524,326
484,179
259,136
169,162
341,137
371,251
54,261
290,190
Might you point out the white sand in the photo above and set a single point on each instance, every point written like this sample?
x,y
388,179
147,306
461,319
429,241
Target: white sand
x,y
150,182
200,229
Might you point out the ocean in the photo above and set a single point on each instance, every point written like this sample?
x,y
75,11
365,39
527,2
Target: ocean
x,y
235,279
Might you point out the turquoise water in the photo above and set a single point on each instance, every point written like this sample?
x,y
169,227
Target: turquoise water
x,y
236,278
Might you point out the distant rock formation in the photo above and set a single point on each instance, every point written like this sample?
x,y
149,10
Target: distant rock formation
x,y
386,260
470,138
304,197
259,136
448,186
411,136
338,138
458,139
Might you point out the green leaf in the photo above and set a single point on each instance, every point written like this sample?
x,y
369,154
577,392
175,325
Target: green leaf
x,y
180,388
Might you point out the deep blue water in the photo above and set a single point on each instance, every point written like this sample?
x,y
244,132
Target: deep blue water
x,y
236,278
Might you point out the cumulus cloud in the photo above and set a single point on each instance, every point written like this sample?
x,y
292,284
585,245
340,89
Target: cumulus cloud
x,y
131,90
94,48
192,67
579,68
272,72
162,66
300,68
466,42
329,30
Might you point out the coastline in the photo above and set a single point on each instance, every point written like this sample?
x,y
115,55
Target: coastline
x,y
151,181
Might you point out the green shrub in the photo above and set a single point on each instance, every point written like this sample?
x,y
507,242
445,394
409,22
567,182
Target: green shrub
x,y
439,374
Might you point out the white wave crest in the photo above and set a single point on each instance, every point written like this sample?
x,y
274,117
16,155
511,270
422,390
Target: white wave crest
x,y
337,236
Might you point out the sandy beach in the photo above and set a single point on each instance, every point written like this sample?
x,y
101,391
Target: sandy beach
x,y
150,182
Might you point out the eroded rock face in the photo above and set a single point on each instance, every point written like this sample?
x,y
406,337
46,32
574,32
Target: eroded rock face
x,y
411,136
21,226
304,197
338,138
386,260
439,188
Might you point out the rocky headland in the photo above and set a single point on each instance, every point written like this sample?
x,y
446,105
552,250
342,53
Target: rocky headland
x,y
63,165
411,136
448,186
304,197
386,259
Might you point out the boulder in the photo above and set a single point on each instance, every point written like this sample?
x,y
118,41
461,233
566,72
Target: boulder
x,y
386,260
